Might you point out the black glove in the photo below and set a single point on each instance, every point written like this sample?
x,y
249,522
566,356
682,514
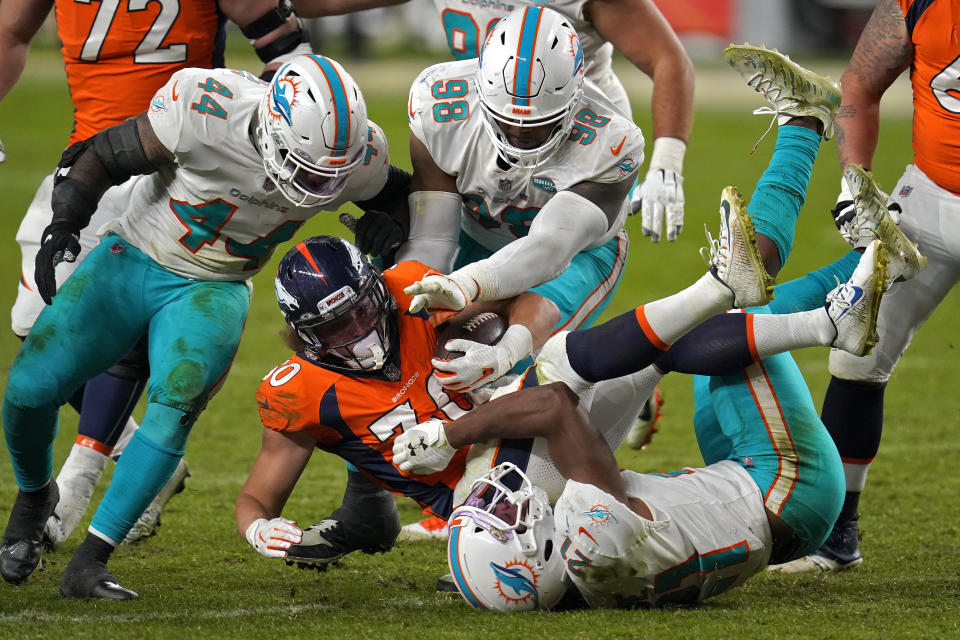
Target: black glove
x,y
377,233
60,242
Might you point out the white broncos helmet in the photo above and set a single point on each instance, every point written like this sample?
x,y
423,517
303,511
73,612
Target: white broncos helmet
x,y
501,549
530,74
311,129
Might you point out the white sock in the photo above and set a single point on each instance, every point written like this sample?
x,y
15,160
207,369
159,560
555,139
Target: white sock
x,y
775,334
128,430
671,317
77,479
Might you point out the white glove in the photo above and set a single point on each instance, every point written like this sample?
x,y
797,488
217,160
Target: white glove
x,y
423,448
3,153
661,202
481,363
272,538
438,292
844,213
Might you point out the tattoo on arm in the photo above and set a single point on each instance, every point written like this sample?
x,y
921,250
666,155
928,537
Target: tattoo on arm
x,y
884,50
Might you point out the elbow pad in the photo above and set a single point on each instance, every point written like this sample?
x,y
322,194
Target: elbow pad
x,y
121,152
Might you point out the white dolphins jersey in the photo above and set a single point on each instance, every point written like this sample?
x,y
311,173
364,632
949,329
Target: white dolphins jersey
x,y
216,215
709,534
467,23
498,204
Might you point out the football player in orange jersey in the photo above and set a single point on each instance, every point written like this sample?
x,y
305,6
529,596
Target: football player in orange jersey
x,y
362,371
144,45
921,36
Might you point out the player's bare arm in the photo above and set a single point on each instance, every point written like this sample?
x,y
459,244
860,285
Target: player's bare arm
x,y
537,313
283,457
648,41
883,52
318,8
19,22
576,447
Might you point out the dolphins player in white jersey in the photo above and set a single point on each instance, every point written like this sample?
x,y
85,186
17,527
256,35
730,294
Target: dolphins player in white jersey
x,y
637,30
224,169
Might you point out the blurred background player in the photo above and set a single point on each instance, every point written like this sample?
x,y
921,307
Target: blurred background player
x,y
309,147
900,34
101,42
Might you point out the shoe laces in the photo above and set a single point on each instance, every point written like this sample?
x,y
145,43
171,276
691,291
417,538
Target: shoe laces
x,y
716,253
840,300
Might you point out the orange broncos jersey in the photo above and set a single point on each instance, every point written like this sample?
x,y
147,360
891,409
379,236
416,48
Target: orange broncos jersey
x,y
935,79
118,54
357,416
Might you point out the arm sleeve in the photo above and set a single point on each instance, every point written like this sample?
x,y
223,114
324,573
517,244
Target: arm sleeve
x,y
434,229
566,225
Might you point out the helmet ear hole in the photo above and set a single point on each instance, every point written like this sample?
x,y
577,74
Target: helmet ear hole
x,y
548,550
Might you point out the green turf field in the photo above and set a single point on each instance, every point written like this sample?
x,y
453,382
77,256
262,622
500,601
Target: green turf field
x,y
199,579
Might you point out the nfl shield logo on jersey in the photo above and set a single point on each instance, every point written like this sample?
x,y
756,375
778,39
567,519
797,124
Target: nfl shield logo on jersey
x,y
505,183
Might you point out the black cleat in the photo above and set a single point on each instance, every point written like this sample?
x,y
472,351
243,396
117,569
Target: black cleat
x,y
85,578
369,524
21,550
840,552
445,584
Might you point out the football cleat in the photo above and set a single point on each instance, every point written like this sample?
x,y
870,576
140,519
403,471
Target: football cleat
x,y
369,524
77,479
432,528
21,548
839,552
791,90
643,429
872,221
149,521
734,258
86,578
853,306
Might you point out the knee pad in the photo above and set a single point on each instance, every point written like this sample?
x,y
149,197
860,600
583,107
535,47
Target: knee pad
x,y
30,388
185,388
167,426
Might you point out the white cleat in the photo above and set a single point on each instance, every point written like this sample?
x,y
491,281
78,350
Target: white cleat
x,y
872,221
149,520
790,89
553,365
735,258
77,480
853,306
643,429
432,528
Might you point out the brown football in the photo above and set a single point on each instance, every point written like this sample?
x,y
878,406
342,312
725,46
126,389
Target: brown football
x,y
486,328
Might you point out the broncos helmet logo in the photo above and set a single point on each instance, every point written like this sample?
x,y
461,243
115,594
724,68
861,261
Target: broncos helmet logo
x,y
517,582
286,300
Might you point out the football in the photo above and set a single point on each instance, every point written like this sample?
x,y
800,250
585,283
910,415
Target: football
x,y
486,328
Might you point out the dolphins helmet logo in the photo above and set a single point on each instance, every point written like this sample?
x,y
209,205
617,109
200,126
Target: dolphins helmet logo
x,y
516,582
283,95
600,514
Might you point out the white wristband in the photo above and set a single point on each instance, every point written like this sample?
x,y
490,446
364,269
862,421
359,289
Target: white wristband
x,y
434,229
668,154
